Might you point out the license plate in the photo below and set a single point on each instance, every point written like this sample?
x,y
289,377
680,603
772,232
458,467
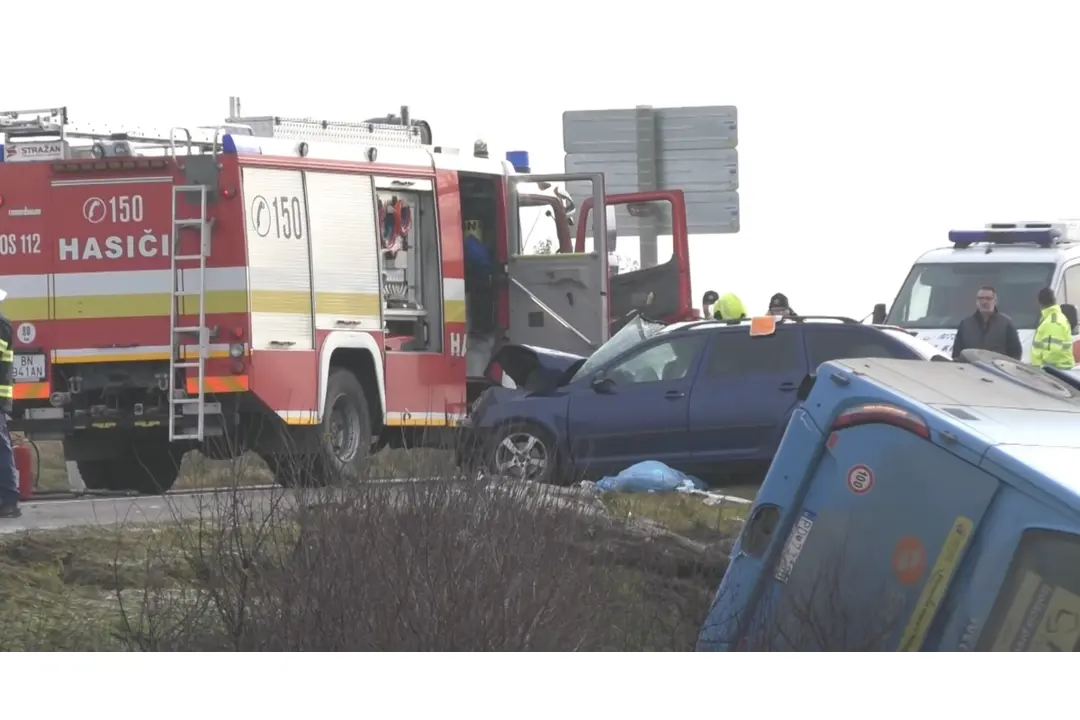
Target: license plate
x,y
29,368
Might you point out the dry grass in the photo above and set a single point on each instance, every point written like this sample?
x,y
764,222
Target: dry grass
x,y
446,565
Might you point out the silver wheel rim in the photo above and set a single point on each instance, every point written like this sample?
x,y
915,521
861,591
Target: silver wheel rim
x,y
522,456
344,430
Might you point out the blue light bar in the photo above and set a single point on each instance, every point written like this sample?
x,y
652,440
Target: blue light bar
x,y
3,154
241,144
1043,237
519,159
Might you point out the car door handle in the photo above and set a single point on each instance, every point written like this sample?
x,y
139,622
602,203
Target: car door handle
x,y
674,394
788,387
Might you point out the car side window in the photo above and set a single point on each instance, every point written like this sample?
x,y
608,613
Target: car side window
x,y
837,342
670,360
736,353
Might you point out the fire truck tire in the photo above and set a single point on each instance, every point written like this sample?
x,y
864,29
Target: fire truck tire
x,y
346,426
150,470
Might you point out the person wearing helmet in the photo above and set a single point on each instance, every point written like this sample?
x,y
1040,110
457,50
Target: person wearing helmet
x,y
779,305
9,484
729,307
1052,344
707,301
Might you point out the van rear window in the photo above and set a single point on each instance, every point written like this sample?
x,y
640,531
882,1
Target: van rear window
x,y
1038,608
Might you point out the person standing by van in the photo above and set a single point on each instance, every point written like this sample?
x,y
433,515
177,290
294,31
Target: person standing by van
x,y
987,328
1052,344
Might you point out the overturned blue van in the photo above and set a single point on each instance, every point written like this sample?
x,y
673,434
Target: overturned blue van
x,y
914,506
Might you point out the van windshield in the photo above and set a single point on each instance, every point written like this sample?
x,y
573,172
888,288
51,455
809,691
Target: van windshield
x,y
940,295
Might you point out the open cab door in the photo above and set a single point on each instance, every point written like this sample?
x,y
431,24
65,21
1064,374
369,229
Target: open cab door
x,y
558,299
655,283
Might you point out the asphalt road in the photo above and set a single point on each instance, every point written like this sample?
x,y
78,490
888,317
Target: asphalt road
x,y
183,505
50,514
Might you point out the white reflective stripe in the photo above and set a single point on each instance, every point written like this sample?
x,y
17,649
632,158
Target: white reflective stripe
x,y
453,289
139,282
113,181
120,282
25,286
216,350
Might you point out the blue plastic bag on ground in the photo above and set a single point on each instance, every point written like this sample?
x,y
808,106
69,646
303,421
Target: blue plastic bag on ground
x,y
649,476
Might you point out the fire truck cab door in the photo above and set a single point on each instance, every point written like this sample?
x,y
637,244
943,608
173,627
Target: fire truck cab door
x,y
557,300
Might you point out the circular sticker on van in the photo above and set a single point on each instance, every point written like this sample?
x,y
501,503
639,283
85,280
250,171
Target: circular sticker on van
x,y
860,479
909,559
26,333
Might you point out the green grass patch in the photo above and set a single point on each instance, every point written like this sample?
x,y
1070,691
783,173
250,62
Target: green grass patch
x,y
681,513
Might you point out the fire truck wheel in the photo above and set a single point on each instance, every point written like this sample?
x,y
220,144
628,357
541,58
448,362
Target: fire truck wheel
x,y
523,451
346,425
150,470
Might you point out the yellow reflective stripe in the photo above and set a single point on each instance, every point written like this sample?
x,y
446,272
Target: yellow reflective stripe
x,y
7,356
3,344
5,391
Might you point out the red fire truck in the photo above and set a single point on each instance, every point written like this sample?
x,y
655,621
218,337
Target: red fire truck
x,y
297,287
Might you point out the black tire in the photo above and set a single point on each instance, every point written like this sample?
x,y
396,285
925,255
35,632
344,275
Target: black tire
x,y
148,469
346,427
521,434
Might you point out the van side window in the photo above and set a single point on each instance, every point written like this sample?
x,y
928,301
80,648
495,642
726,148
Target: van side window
x,y
1038,608
1071,286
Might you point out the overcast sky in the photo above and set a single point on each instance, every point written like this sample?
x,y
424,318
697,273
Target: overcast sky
x,y
867,130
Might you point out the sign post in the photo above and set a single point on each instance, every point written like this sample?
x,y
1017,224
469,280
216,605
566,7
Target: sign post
x,y
692,149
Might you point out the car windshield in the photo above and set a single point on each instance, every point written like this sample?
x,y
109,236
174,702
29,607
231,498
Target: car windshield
x,y
634,332
940,295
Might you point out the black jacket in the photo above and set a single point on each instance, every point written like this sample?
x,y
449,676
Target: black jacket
x,y
7,334
996,333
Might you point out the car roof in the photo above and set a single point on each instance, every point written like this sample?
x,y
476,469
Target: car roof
x,y
1031,422
712,324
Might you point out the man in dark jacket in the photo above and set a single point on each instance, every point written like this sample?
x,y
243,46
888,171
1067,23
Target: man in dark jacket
x,y
987,329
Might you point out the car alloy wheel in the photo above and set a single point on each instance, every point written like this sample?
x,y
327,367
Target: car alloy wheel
x,y
522,456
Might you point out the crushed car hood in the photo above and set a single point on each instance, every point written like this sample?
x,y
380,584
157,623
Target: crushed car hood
x,y
535,368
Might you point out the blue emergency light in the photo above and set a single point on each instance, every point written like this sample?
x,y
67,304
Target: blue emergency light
x,y
3,153
519,159
1041,236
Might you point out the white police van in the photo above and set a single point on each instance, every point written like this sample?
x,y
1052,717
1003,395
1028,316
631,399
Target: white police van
x,y
1016,259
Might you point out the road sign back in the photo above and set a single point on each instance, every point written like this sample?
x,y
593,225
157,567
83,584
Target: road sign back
x,y
686,148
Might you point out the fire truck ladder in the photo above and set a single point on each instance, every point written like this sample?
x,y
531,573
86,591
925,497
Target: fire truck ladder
x,y
180,361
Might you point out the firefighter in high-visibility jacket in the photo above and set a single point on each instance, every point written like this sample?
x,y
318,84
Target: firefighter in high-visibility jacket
x,y
9,484
1053,336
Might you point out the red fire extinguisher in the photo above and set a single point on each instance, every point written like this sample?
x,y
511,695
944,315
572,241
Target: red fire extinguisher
x,y
24,469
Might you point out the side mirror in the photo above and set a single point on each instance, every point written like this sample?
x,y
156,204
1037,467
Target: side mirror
x,y
805,387
602,385
879,314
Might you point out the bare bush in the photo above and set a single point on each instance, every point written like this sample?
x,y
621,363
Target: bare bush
x,y
436,564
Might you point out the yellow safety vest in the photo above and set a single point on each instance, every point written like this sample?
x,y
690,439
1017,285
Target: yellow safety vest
x,y
1053,340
